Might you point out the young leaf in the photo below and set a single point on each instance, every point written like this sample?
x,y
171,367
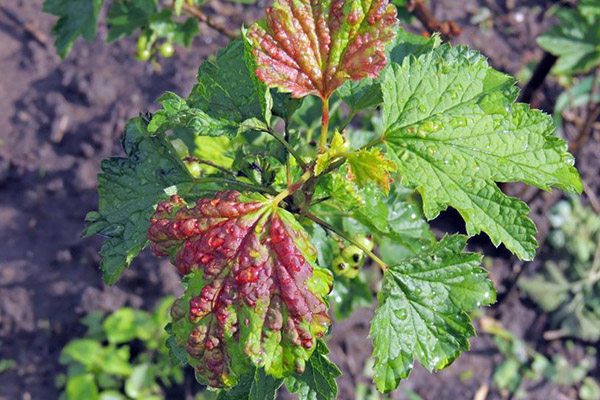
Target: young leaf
x,y
318,380
75,18
176,113
452,128
228,90
339,145
255,297
124,17
256,386
574,40
307,47
129,188
370,165
422,310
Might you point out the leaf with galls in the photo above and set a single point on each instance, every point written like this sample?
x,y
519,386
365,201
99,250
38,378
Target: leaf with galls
x,y
254,297
314,46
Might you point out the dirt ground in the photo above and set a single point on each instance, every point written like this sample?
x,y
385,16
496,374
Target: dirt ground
x,y
60,118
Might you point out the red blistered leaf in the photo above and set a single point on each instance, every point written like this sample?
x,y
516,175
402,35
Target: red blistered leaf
x,y
313,46
254,296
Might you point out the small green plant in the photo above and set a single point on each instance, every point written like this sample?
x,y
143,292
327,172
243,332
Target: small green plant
x,y
122,356
568,285
521,363
574,40
159,24
258,186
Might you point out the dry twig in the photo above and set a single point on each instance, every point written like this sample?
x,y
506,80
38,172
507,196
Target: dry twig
x,y
202,17
30,29
448,29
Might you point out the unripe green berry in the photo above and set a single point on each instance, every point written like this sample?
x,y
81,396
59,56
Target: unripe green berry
x,y
144,55
166,49
352,255
365,241
142,43
340,266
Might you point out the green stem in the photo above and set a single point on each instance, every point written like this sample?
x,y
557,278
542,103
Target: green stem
x,y
292,188
192,159
234,182
289,148
324,124
347,121
373,142
343,235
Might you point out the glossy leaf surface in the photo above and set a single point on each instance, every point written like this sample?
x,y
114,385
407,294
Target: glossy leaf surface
x,y
255,297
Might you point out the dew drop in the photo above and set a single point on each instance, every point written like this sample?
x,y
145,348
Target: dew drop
x,y
422,108
402,314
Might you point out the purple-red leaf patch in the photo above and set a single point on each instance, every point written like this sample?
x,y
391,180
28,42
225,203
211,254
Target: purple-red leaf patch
x,y
312,47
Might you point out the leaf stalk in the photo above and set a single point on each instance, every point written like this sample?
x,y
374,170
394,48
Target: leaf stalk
x,y
324,124
343,235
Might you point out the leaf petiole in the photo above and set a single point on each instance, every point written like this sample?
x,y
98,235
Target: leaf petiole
x,y
292,188
343,235
324,124
236,183
289,148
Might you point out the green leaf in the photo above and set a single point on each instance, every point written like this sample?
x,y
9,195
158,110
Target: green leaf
x,y
370,165
548,290
124,17
75,18
116,361
85,351
228,89
129,188
337,148
176,113
589,390
257,386
127,324
422,310
589,8
451,126
111,395
398,219
162,25
348,295
366,93
361,95
574,41
318,380
575,96
284,105
82,387
141,382
406,44
177,5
